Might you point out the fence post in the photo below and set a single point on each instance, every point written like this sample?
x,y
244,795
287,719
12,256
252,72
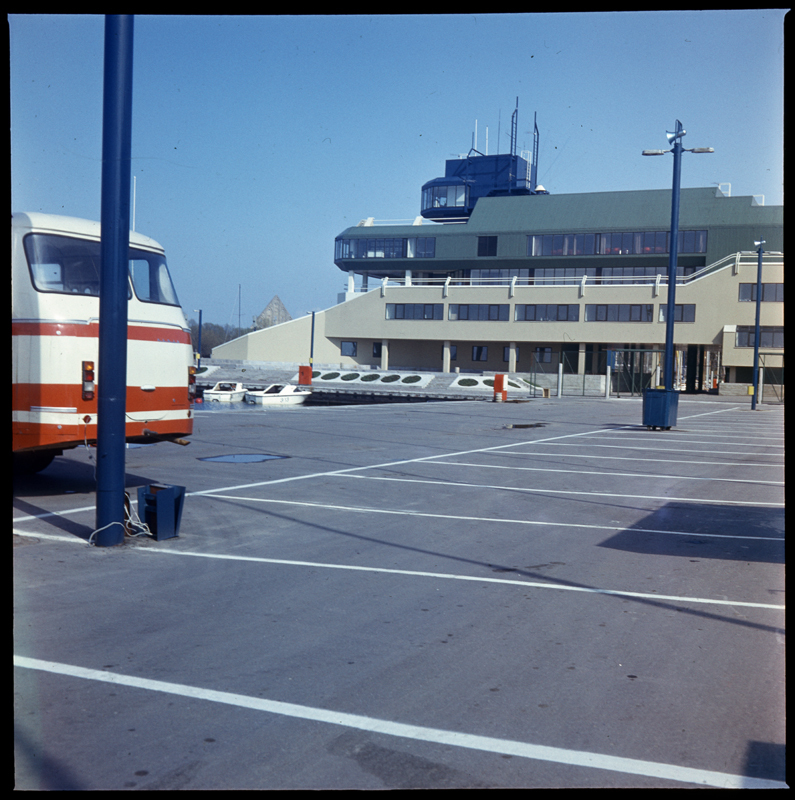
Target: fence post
x,y
560,379
607,383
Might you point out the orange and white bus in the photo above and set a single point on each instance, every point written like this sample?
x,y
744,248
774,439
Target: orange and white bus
x,y
55,328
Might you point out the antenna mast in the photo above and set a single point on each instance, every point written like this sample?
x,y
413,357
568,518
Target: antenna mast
x,y
513,127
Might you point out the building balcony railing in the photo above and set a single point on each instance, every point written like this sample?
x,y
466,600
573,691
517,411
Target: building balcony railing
x,y
733,261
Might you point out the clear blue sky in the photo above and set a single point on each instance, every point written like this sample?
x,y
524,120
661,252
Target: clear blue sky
x,y
257,140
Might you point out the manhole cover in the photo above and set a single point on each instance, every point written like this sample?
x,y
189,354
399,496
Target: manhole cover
x,y
241,458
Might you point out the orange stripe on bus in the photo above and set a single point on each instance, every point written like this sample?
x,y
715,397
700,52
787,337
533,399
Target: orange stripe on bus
x,y
64,395
144,333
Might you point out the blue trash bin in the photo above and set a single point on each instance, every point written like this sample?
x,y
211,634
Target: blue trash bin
x,y
660,408
160,509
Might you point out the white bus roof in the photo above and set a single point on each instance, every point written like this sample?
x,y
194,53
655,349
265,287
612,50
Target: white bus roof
x,y
56,223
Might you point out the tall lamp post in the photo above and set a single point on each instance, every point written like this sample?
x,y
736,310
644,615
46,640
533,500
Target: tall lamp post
x,y
663,413
760,251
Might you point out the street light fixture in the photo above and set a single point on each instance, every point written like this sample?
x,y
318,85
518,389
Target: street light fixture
x,y
668,409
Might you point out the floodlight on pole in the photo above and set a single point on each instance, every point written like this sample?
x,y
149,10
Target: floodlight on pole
x,y
674,138
660,406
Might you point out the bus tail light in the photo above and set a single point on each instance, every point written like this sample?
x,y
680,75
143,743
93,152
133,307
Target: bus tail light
x,y
88,380
191,383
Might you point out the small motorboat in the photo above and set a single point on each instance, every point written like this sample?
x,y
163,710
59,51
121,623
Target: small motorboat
x,y
279,394
225,392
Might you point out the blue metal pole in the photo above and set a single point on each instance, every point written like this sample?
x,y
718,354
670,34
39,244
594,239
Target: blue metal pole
x,y
672,259
756,327
115,220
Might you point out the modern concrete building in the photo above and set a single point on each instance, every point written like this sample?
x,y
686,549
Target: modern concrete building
x,y
520,280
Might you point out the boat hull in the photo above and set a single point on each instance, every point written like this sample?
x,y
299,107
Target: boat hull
x,y
278,395
224,397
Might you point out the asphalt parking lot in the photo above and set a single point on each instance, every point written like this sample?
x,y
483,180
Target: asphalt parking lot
x,y
435,595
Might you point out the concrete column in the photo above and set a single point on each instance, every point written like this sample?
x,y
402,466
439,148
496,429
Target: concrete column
x,y
385,354
446,357
512,357
581,359
408,277
351,282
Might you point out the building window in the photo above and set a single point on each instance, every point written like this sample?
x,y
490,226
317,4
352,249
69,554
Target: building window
x,y
613,244
771,293
619,312
444,196
769,336
377,347
499,277
479,312
682,313
480,353
348,349
420,247
487,246
453,352
543,355
415,311
506,354
549,312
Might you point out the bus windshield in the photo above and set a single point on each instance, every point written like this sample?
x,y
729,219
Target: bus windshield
x,y
67,265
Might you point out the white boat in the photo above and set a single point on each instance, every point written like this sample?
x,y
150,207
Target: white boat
x,y
225,392
279,394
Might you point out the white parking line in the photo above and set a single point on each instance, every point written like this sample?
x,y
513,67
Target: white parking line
x,y
474,578
627,436
657,460
507,520
608,474
558,755
658,449
309,476
663,498
402,512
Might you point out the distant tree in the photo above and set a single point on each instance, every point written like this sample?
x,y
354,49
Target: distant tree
x,y
212,335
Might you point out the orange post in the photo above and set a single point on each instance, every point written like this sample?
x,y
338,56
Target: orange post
x,y
304,376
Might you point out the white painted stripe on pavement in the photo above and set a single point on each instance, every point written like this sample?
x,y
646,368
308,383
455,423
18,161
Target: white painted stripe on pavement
x,y
608,474
547,523
628,435
350,470
474,578
489,744
657,449
566,491
656,460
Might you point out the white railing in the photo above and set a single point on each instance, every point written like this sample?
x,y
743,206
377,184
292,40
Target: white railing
x,y
370,222
734,260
